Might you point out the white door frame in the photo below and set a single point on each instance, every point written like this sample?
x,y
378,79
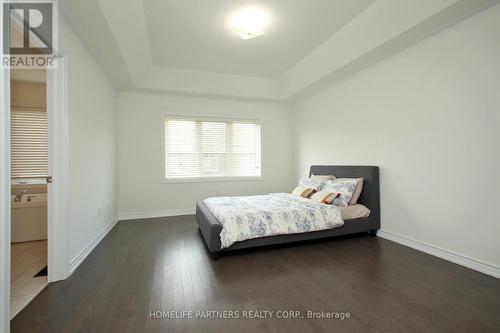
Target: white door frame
x,y
4,200
57,205
57,108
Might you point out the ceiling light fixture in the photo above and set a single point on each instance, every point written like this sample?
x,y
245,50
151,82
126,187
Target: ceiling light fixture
x,y
249,22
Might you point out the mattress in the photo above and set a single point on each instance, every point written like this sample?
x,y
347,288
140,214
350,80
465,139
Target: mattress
x,y
250,217
211,228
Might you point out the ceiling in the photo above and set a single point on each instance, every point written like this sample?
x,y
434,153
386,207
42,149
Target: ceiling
x,y
187,46
193,34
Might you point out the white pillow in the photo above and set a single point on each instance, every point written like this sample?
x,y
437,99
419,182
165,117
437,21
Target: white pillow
x,y
317,185
321,178
344,186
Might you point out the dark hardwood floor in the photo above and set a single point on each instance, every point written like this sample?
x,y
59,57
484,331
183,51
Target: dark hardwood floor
x,y
162,264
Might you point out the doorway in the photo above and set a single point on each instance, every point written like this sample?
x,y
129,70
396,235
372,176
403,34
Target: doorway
x,y
29,176
57,192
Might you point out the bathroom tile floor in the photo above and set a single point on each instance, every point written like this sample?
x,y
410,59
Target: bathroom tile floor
x,y
27,259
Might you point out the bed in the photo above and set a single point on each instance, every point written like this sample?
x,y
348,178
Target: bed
x,y
211,228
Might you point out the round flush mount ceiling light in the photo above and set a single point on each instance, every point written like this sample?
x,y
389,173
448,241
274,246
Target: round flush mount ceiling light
x,y
249,22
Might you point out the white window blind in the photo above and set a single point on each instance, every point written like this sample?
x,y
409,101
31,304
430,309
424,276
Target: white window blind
x,y
207,148
29,147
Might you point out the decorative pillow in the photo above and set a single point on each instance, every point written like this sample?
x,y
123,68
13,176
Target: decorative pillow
x,y
321,178
324,197
317,185
357,191
303,191
344,186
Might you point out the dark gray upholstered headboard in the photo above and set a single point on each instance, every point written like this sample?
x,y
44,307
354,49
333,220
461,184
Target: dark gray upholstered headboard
x,y
370,196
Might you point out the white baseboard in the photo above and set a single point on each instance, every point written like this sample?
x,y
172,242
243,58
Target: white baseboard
x,y
150,215
80,257
448,255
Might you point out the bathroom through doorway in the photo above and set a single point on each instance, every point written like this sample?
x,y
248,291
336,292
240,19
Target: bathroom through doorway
x,y
29,180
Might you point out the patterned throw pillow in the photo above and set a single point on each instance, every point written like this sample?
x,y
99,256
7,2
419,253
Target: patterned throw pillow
x,y
357,191
303,191
324,197
344,186
317,185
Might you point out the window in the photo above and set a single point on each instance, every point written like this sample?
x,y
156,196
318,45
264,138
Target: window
x,y
211,149
29,148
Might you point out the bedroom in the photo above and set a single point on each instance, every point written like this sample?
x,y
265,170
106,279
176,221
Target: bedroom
x,y
161,105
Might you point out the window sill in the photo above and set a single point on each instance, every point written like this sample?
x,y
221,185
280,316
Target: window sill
x,y
211,179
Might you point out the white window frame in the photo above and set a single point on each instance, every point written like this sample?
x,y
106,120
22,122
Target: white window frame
x,y
165,180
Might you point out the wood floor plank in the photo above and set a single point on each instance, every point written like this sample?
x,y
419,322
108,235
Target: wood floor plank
x,y
162,265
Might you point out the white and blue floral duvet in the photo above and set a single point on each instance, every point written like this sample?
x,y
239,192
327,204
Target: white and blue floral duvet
x,y
267,215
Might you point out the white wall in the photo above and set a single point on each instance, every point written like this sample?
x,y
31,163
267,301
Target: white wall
x,y
93,200
430,118
139,137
